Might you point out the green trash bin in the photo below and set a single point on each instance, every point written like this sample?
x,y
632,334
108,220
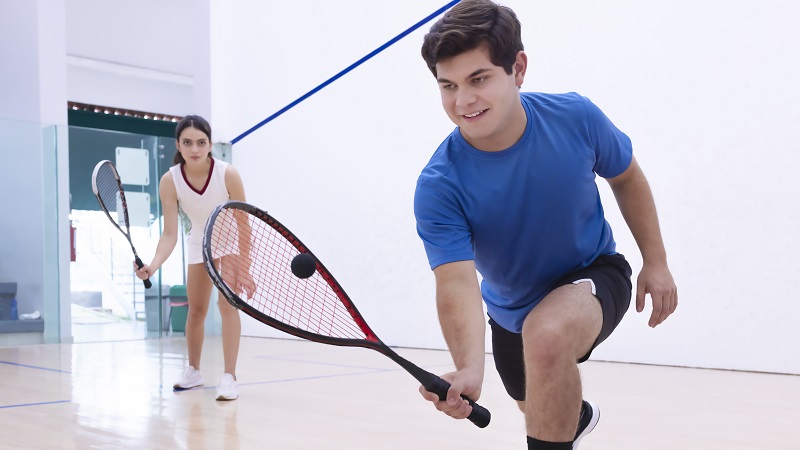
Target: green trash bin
x,y
179,308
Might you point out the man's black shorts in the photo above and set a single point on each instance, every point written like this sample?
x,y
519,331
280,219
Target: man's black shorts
x,y
610,276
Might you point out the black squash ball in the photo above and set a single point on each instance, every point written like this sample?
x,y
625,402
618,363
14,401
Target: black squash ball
x,y
304,265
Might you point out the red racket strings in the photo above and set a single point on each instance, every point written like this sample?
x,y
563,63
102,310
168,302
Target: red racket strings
x,y
308,304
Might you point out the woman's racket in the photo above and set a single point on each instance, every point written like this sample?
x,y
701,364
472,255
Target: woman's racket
x,y
264,270
107,187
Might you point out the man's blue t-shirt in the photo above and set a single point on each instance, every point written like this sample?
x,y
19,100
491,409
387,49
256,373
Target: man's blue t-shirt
x,y
527,215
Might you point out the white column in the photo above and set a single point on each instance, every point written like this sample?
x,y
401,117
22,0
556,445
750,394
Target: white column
x,y
33,100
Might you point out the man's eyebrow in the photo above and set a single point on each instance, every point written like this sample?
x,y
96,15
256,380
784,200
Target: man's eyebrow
x,y
472,75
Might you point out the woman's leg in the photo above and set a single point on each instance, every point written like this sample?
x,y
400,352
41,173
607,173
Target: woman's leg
x,y
231,334
198,291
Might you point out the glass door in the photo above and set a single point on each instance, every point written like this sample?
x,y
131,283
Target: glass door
x,y
108,302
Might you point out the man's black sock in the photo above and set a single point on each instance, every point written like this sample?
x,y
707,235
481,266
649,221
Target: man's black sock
x,y
535,444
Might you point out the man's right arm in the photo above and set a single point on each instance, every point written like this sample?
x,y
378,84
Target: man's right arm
x,y
460,308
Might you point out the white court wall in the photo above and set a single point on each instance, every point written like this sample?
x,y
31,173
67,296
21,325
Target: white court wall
x,y
142,55
706,90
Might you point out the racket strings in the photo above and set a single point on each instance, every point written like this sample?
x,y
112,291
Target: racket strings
x,y
264,279
109,192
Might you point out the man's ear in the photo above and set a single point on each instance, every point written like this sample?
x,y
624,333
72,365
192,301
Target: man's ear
x,y
520,66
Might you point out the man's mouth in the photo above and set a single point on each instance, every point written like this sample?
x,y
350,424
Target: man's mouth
x,y
475,114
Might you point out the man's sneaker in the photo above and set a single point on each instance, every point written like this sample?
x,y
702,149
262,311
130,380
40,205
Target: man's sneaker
x,y
191,378
227,389
590,414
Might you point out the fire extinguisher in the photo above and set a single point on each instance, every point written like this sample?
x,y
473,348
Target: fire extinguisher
x,y
71,242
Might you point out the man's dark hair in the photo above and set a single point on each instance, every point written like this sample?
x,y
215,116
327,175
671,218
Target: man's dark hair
x,y
196,122
469,24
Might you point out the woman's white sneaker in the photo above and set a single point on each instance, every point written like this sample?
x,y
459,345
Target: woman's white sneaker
x,y
191,378
227,389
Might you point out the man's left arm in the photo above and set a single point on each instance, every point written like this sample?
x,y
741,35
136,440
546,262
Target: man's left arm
x,y
636,203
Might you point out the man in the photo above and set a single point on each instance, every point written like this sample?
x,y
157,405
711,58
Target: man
x,y
511,192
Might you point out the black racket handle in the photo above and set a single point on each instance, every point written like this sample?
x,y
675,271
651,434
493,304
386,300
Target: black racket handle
x,y
480,416
147,283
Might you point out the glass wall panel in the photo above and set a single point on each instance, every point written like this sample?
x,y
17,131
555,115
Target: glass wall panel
x,y
29,271
108,301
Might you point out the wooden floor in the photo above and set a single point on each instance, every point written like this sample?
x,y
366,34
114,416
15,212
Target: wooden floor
x,y
301,395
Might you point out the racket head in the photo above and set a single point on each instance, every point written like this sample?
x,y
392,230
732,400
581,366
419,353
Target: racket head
x,y
248,255
107,187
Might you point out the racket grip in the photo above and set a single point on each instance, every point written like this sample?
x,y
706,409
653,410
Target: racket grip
x,y
147,283
480,416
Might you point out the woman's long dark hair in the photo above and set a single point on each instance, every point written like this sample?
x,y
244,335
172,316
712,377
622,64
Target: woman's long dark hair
x,y
195,122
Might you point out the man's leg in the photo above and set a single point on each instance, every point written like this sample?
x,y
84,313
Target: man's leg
x,y
558,332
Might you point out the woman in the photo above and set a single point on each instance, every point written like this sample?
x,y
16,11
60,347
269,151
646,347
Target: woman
x,y
198,183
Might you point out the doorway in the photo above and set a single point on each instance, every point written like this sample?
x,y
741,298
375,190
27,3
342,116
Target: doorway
x,y
108,302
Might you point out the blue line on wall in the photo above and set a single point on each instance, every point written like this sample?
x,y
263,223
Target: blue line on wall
x,y
343,72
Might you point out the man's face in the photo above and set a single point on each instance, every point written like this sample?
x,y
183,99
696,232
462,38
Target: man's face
x,y
482,99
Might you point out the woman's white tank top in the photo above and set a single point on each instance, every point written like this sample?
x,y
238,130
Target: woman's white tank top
x,y
199,204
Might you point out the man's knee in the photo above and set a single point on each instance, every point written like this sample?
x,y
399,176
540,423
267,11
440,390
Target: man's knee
x,y
545,343
565,323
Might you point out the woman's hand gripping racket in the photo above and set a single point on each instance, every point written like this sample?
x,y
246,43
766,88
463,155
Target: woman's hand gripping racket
x,y
107,187
264,270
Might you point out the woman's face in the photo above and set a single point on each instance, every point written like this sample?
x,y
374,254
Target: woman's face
x,y
194,145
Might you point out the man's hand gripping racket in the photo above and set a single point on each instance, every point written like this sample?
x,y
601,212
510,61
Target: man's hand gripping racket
x,y
264,270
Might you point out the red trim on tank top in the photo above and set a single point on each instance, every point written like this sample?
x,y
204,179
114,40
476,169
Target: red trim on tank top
x,y
208,180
